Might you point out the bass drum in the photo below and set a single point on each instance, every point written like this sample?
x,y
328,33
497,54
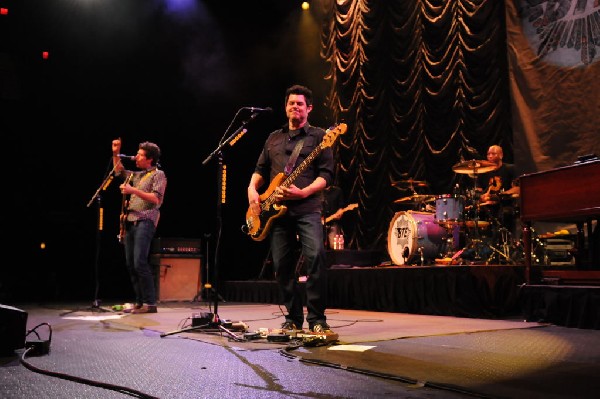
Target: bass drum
x,y
411,231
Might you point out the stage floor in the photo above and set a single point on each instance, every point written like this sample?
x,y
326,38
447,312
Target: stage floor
x,y
377,354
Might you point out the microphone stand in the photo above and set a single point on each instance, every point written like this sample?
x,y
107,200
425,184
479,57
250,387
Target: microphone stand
x,y
215,324
97,197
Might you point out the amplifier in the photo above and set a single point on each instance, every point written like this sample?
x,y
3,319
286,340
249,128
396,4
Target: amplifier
x,y
176,246
558,251
179,277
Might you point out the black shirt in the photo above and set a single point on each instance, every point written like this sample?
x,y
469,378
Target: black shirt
x,y
499,180
276,153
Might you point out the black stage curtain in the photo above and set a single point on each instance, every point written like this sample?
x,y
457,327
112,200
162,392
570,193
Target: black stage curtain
x,y
425,84
422,85
566,306
461,291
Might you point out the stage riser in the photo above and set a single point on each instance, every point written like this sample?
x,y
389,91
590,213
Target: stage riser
x,y
460,291
463,291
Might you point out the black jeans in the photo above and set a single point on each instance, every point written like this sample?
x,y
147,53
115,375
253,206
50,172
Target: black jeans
x,y
287,231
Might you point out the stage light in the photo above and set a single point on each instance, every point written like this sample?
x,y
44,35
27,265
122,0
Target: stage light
x,y
305,5
45,55
3,11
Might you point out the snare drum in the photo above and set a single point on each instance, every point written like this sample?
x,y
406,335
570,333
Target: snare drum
x,y
449,209
410,231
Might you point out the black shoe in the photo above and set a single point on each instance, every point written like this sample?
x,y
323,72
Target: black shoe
x,y
321,328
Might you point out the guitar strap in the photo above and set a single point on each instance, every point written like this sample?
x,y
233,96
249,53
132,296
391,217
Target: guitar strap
x,y
292,161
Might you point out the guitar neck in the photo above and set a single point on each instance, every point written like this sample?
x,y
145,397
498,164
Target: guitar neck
x,y
298,171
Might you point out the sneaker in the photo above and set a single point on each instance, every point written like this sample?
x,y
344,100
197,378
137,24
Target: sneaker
x,y
289,326
321,328
145,309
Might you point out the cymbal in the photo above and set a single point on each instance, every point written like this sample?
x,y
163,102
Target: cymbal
x,y
409,182
415,198
474,167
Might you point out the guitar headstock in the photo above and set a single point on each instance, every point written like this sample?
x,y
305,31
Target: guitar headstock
x,y
332,133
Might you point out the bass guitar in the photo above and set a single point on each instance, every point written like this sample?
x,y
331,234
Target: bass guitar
x,y
258,223
124,209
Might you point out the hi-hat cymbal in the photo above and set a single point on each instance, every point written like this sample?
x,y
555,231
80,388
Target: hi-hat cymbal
x,y
474,167
415,198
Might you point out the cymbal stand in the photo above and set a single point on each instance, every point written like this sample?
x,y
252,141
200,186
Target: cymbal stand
x,y
505,246
474,240
451,240
477,241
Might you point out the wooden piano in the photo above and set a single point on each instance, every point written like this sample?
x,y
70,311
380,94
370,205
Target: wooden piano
x,y
568,194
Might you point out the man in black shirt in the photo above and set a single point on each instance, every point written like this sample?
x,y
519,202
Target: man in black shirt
x,y
302,220
500,190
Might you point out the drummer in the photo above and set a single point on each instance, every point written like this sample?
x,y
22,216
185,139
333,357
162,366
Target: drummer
x,y
502,180
499,189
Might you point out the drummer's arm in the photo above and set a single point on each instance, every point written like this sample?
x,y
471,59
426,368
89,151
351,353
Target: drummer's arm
x,y
514,191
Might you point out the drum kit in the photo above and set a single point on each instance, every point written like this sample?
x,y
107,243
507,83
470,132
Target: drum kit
x,y
455,228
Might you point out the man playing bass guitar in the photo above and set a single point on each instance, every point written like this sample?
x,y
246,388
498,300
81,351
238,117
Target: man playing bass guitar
x,y
302,219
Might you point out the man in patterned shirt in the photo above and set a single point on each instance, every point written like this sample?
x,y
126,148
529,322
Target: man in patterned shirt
x,y
146,190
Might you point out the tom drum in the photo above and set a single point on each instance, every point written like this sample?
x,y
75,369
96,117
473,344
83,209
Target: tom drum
x,y
449,209
414,235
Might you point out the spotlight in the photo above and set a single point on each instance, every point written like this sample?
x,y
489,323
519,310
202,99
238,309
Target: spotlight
x,y
305,5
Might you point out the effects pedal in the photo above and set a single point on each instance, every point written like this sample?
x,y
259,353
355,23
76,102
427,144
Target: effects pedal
x,y
278,337
252,336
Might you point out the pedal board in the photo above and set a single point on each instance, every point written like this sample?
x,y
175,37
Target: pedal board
x,y
318,339
308,339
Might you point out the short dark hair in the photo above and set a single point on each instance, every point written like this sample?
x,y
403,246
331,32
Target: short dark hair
x,y
152,151
299,89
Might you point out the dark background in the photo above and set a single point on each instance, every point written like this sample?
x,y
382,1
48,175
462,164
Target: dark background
x,y
175,73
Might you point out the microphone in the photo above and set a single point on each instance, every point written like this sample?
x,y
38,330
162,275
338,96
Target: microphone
x,y
256,109
128,157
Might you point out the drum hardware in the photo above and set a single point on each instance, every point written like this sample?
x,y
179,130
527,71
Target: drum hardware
x,y
473,168
505,245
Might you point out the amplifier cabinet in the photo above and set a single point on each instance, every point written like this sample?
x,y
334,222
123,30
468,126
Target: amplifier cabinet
x,y
179,277
13,327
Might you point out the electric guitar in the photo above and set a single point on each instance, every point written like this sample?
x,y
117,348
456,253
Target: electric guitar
x,y
123,217
259,223
341,211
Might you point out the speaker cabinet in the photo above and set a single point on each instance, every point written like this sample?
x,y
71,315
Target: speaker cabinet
x,y
13,325
179,277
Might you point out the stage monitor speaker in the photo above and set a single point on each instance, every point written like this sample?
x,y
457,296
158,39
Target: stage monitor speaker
x,y
13,325
179,278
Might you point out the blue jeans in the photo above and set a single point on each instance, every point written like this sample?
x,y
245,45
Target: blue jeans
x,y
138,240
286,232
